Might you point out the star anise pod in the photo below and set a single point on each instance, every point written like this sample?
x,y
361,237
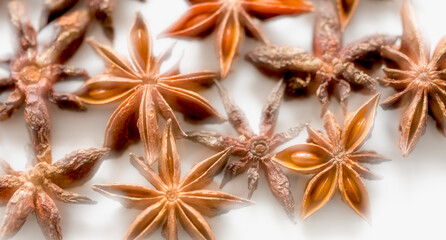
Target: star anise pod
x,y
34,190
232,18
172,199
419,79
102,10
254,149
333,68
145,91
335,161
33,73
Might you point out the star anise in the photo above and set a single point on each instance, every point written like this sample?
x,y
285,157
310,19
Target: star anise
x,y
335,161
230,17
34,190
102,10
419,80
146,91
172,199
33,73
254,149
333,68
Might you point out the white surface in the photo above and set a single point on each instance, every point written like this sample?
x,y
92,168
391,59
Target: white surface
x,y
407,204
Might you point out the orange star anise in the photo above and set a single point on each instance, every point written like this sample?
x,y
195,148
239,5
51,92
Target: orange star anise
x,y
333,69
146,91
33,72
419,79
34,190
254,150
230,17
336,161
172,199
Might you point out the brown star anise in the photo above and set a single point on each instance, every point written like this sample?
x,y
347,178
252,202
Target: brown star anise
x,y
172,199
33,74
34,190
332,67
336,161
419,80
146,91
102,10
230,17
254,149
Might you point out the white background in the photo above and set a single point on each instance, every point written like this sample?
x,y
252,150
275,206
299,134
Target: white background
x,y
409,203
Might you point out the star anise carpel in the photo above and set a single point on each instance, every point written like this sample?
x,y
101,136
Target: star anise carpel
x,y
419,80
33,73
254,150
332,68
172,200
145,92
34,190
336,161
101,10
231,19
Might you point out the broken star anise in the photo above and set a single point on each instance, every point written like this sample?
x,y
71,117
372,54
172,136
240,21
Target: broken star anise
x,y
333,68
232,18
145,91
335,161
419,79
34,190
33,73
172,199
254,149
102,10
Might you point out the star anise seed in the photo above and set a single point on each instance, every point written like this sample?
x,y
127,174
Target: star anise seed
x,y
102,10
419,80
253,149
146,92
171,199
335,161
34,190
231,18
33,73
334,69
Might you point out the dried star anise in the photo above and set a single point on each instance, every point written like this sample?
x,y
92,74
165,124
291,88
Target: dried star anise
x,y
419,80
232,18
332,67
172,199
34,190
101,9
33,74
254,149
335,161
146,91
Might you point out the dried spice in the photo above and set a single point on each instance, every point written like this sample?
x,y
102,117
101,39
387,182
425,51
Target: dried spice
x,y
333,69
145,91
231,18
335,161
34,190
253,149
33,73
419,80
173,199
102,10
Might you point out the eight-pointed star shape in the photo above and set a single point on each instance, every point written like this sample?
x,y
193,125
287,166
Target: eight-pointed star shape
x,y
254,149
334,69
231,18
33,73
172,199
419,80
335,161
146,92
34,190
